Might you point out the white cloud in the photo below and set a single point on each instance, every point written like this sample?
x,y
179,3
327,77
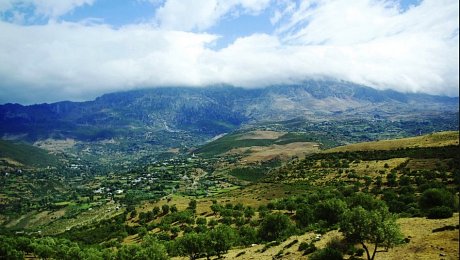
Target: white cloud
x,y
202,14
51,9
370,42
78,60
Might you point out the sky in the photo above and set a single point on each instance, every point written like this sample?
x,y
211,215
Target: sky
x,y
53,50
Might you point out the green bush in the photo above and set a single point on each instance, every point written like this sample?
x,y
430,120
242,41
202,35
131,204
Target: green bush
x,y
440,212
275,227
436,197
330,210
307,248
326,254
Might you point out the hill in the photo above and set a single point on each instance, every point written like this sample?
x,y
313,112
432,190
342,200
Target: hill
x,y
26,155
431,140
260,144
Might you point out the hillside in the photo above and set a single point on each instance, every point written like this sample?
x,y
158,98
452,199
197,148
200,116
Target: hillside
x,y
26,155
194,206
431,140
263,145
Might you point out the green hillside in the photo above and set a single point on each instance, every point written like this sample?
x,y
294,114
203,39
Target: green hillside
x,y
26,154
249,139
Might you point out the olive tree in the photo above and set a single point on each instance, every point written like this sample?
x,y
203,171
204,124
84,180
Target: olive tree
x,y
372,229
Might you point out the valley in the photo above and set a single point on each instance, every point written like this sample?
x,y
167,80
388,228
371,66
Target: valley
x,y
173,197
149,175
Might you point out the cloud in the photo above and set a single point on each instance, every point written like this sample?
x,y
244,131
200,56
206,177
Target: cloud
x,y
203,14
369,42
51,9
76,60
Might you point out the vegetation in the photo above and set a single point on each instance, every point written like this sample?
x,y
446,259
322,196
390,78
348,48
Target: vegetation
x,y
203,207
26,154
372,229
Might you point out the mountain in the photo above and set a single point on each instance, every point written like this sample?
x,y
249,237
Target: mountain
x,y
210,110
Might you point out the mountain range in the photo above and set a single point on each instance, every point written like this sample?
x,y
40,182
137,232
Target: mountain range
x,y
211,111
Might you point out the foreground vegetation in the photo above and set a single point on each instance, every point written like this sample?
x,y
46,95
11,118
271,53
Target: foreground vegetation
x,y
203,207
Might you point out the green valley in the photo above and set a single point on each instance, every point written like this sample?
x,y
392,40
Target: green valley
x,y
225,191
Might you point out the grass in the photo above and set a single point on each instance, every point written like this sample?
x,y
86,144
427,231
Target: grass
x,y
250,139
424,244
26,154
431,140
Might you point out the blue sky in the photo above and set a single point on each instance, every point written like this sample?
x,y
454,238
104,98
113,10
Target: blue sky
x,y
78,49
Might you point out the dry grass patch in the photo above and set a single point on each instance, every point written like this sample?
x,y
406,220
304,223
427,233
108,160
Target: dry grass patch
x,y
424,244
432,140
270,135
372,168
266,153
56,145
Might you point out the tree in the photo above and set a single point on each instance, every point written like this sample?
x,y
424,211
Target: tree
x,y
153,250
156,210
330,210
192,205
215,208
165,209
201,221
222,238
142,231
249,212
274,227
291,205
376,227
248,235
192,245
304,216
364,200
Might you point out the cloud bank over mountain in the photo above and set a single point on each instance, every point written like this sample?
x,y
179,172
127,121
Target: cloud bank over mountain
x,y
46,57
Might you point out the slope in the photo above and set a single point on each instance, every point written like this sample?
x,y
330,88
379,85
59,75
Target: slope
x,y
26,154
431,140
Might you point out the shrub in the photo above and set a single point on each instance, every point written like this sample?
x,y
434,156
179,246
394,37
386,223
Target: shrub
x,y
307,248
436,197
440,212
275,227
327,254
330,210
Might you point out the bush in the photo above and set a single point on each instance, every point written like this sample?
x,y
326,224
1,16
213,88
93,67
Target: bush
x,y
248,235
436,197
307,248
338,244
304,216
326,254
359,252
440,212
275,227
330,210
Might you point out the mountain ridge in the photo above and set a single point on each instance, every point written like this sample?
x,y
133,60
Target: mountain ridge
x,y
210,111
